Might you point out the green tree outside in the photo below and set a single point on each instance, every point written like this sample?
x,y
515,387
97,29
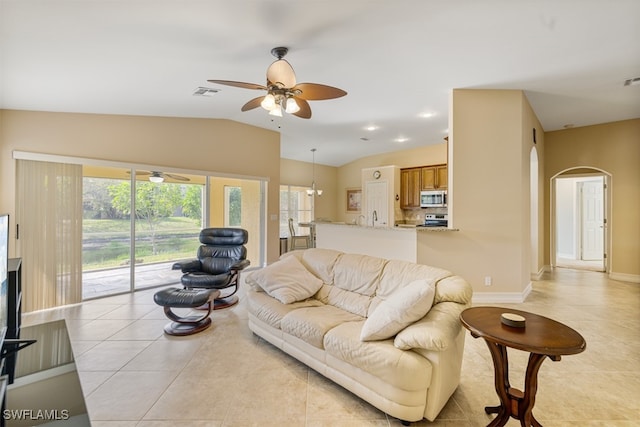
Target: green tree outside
x,y
153,202
192,202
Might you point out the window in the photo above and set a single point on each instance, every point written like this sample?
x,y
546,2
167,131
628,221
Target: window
x,y
296,204
232,206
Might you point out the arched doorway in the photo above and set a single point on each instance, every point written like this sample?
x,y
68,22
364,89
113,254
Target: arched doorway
x,y
579,212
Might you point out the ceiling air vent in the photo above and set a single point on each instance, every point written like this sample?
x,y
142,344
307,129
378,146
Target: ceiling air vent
x,y
205,91
632,82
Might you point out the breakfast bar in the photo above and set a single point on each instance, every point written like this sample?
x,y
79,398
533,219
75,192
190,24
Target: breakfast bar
x,y
399,242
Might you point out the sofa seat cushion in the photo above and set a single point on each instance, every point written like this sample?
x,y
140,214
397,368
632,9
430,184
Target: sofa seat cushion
x,y
310,324
406,370
270,310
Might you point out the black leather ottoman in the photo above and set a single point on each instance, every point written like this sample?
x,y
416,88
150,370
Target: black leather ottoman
x,y
186,298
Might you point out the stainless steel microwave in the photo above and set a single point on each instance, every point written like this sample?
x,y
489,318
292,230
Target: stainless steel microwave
x,y
433,199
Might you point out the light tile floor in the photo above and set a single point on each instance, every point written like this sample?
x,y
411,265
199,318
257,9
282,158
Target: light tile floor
x,y
134,375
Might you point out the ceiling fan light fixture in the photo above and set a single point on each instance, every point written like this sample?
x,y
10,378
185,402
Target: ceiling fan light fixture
x,y
156,178
280,86
269,102
292,106
276,111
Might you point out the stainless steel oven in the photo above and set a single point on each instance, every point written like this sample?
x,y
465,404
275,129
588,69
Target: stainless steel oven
x,y
436,220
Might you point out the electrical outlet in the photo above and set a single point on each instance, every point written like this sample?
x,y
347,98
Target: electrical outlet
x,y
488,281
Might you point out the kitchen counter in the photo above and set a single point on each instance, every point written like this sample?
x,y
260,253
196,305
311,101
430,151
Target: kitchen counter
x,y
399,227
384,242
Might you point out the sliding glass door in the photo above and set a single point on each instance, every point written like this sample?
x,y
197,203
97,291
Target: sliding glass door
x,y
134,229
106,237
168,219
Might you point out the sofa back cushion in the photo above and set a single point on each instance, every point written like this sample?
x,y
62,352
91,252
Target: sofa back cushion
x,y
318,261
398,274
355,280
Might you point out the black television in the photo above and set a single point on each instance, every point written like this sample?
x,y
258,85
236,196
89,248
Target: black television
x,y
4,274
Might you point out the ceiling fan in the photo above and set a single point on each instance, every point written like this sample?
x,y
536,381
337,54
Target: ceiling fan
x,y
157,176
283,93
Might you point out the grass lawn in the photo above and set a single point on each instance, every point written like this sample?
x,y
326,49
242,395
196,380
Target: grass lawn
x,y
106,242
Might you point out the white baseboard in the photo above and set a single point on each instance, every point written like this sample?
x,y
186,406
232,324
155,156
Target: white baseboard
x,y
501,297
624,277
538,275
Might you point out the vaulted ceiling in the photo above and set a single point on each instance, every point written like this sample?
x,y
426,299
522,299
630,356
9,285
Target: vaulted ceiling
x,y
398,60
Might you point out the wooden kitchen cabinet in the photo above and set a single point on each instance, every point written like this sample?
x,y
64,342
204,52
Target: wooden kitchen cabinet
x,y
434,177
410,182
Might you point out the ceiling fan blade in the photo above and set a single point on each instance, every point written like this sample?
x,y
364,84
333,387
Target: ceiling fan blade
x,y
239,84
254,103
140,173
305,109
176,177
281,72
315,91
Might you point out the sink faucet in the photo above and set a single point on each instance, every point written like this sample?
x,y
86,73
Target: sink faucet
x,y
374,218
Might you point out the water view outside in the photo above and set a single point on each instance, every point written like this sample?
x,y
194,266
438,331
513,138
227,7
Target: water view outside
x,y
168,219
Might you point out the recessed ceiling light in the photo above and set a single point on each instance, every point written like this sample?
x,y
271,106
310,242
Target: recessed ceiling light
x,y
401,139
426,115
632,82
371,128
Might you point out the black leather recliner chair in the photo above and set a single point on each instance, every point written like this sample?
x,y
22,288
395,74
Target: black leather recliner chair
x,y
219,260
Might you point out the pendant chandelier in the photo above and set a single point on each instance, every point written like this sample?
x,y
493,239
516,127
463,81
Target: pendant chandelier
x,y
311,191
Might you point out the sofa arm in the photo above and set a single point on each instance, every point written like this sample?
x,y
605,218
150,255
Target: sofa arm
x,y
436,331
187,266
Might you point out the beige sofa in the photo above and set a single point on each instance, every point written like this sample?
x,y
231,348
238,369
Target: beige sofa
x,y
386,330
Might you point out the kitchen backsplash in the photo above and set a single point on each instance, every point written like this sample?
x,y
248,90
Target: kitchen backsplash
x,y
416,216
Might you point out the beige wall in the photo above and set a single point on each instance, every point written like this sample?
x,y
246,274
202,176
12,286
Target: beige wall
x,y
490,146
207,145
615,149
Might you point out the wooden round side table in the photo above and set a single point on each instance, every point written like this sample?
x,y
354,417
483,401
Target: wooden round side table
x,y
541,337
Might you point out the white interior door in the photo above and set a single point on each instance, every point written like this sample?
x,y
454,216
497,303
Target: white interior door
x,y
592,208
378,201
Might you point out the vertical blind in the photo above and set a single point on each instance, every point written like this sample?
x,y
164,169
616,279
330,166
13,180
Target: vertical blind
x,y
49,217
